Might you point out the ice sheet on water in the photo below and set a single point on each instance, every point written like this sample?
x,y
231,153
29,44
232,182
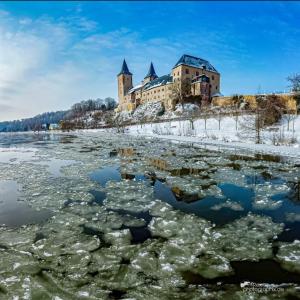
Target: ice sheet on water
x,y
64,242
289,256
10,238
264,194
128,195
105,222
228,204
247,238
193,186
81,265
65,220
17,155
158,208
118,237
211,265
292,217
187,248
14,261
228,175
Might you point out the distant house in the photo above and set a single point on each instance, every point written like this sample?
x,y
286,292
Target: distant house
x,y
203,79
54,126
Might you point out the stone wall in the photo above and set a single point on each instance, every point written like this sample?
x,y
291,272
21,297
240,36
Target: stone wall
x,y
287,99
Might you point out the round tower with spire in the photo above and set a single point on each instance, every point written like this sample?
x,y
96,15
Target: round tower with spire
x,y
151,75
124,83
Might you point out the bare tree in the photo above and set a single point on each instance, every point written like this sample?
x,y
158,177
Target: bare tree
x,y
253,122
268,110
289,116
117,122
236,104
219,115
205,112
294,82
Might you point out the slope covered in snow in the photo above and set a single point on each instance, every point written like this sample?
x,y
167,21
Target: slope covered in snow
x,y
282,139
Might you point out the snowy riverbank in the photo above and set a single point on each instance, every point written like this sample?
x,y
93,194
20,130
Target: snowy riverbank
x,y
230,135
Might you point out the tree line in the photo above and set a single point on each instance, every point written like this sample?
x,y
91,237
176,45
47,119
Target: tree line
x,y
38,122
34,123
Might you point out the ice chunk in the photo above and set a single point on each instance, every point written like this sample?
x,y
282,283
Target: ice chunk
x,y
64,242
211,265
118,237
128,195
17,237
289,256
247,238
228,204
292,217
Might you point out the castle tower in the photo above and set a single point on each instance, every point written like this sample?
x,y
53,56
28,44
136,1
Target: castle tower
x,y
150,75
124,82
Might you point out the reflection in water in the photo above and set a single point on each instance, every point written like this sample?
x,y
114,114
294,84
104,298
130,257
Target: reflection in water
x,y
16,155
55,165
42,138
106,174
112,238
203,207
263,271
14,213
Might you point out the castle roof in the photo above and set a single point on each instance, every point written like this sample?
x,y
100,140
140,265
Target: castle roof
x,y
124,69
151,72
135,88
195,62
158,82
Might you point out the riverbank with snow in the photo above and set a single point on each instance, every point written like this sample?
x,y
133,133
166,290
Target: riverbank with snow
x,y
229,132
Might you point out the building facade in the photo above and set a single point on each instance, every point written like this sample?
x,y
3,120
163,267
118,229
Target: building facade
x,y
190,78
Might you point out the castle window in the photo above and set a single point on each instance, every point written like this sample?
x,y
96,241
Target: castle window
x,y
197,73
178,73
187,71
162,89
213,77
216,87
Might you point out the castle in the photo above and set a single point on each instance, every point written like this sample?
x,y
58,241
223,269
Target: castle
x,y
191,78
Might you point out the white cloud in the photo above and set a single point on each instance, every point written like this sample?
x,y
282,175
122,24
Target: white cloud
x,y
25,21
47,64
39,71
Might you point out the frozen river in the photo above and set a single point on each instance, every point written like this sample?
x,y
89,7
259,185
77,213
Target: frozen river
x,y
107,216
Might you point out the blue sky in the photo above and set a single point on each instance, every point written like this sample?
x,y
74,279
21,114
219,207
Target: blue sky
x,y
53,54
